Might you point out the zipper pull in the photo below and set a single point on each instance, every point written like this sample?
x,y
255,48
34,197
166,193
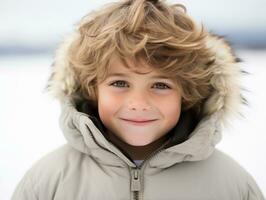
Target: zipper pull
x,y
135,180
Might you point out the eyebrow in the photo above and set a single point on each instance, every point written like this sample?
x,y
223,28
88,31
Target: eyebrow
x,y
125,75
117,74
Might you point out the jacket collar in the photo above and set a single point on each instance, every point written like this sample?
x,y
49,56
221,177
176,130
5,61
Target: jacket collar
x,y
199,146
82,133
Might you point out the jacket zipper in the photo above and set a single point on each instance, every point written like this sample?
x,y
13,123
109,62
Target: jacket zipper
x,y
135,183
137,172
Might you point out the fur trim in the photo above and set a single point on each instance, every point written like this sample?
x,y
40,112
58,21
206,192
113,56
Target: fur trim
x,y
63,82
226,97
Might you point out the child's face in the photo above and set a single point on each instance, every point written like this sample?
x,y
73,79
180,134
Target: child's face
x,y
138,108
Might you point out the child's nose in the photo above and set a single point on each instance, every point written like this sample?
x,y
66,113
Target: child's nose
x,y
138,101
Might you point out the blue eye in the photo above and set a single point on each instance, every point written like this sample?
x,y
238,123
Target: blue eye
x,y
124,84
161,86
119,84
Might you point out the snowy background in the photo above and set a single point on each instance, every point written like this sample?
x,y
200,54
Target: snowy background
x,y
29,32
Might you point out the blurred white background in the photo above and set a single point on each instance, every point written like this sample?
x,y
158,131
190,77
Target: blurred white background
x,y
29,32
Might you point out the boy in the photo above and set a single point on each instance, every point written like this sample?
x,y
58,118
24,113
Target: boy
x,y
144,94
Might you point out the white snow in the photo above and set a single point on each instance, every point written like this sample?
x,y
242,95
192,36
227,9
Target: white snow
x,y
29,119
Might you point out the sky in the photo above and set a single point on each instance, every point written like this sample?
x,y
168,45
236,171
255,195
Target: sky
x,y
44,23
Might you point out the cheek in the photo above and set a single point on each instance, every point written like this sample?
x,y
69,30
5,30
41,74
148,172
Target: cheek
x,y
170,109
108,105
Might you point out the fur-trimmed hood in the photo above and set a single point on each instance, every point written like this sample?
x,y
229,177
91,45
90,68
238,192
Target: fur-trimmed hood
x,y
218,108
226,71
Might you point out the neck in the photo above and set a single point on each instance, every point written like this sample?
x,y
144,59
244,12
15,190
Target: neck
x,y
137,152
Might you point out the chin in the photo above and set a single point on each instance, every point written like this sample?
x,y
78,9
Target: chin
x,y
139,143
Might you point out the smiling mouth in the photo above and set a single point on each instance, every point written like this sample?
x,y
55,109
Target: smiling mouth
x,y
138,122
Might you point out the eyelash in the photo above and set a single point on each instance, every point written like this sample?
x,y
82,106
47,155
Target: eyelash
x,y
165,86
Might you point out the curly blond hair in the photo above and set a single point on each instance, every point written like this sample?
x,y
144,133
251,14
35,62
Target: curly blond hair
x,y
161,34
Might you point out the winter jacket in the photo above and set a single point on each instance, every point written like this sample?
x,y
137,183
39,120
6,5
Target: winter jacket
x,y
91,167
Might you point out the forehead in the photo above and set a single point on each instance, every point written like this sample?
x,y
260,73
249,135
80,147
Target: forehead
x,y
128,65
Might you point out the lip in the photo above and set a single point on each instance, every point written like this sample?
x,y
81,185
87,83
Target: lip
x,y
139,121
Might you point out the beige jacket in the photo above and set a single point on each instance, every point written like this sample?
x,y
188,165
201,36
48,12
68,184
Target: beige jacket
x,y
90,167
